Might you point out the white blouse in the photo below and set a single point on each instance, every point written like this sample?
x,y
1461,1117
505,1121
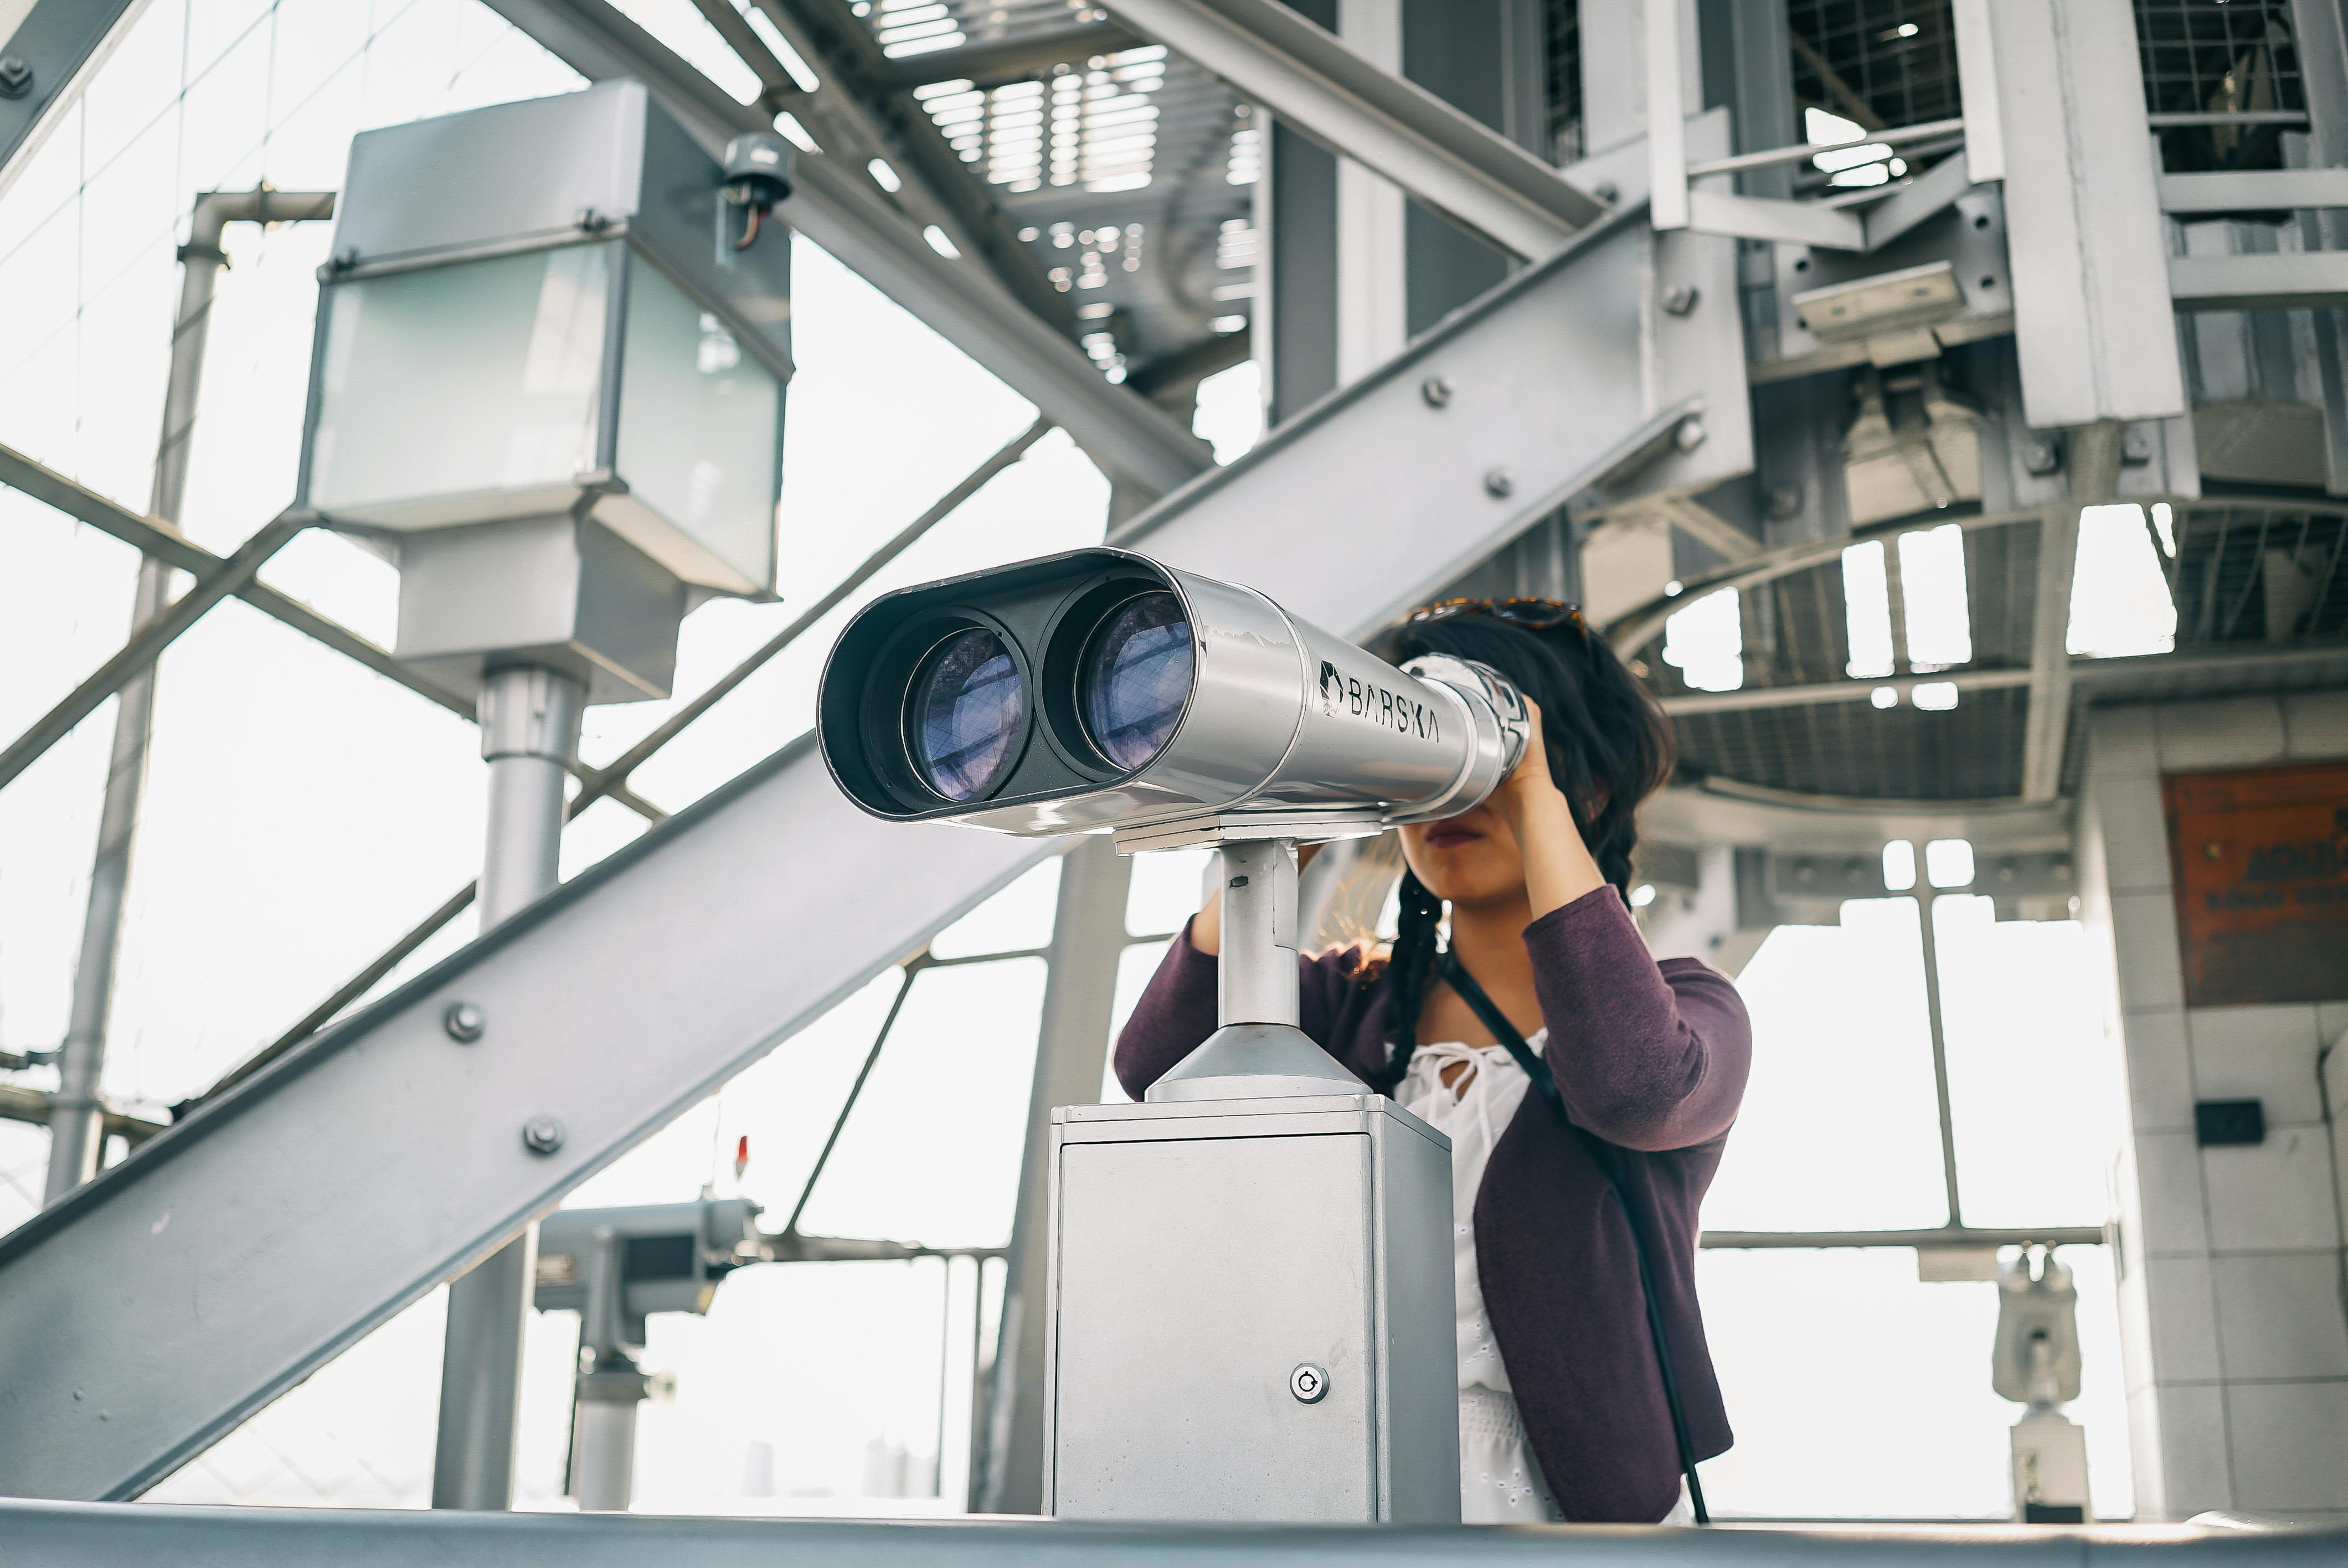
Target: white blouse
x,y
1499,1482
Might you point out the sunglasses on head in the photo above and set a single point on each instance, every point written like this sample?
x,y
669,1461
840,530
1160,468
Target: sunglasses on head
x,y
1531,614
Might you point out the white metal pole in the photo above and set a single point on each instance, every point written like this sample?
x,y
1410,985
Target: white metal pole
x,y
1256,975
77,1112
529,735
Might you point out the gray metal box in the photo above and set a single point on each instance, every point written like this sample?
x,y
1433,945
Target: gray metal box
x,y
1202,1253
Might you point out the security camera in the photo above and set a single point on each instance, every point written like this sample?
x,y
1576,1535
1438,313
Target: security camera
x,y
1099,690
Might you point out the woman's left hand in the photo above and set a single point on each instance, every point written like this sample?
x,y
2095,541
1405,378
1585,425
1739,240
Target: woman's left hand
x,y
1558,866
1531,780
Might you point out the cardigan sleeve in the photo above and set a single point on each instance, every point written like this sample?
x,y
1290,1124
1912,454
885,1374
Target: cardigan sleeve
x,y
1178,1010
1649,1055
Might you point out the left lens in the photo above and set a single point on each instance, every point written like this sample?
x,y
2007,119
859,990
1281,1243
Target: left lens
x,y
967,707
1135,679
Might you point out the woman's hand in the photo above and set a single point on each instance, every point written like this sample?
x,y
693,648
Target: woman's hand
x,y
1559,868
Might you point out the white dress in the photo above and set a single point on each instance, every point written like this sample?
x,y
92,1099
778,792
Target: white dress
x,y
1500,1483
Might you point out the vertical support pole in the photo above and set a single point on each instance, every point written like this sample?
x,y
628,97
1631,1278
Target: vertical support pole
x,y
1666,117
1939,1045
77,1112
1977,90
529,735
608,1391
1255,980
1087,936
1373,251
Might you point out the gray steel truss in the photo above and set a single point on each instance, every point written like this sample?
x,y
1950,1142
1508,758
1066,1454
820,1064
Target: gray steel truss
x,y
1448,159
53,48
840,209
181,1291
70,1536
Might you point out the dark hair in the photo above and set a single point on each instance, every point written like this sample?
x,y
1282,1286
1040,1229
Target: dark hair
x,y
1610,747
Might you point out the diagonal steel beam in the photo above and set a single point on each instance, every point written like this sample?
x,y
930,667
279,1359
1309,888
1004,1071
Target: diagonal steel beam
x,y
860,96
147,644
840,210
55,46
596,782
1448,159
323,1194
152,536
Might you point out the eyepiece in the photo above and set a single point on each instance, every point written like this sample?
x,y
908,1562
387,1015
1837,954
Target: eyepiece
x,y
1135,679
965,710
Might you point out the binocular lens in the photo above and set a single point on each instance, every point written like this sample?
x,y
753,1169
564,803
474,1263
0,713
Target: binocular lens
x,y
968,708
1136,679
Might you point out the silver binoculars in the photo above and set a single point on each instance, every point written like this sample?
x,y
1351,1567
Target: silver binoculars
x,y
1101,691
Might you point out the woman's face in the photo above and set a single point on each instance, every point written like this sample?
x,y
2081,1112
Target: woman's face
x,y
1470,859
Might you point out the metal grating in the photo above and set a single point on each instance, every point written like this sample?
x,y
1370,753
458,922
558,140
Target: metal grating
x,y
1124,171
1882,63
2264,575
1561,29
2219,56
1795,628
1971,752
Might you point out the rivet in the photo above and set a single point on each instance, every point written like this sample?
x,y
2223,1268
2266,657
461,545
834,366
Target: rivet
x,y
1606,190
542,1134
1682,300
15,76
464,1022
1436,390
1499,481
1689,436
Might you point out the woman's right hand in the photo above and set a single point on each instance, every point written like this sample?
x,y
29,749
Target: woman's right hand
x,y
1207,926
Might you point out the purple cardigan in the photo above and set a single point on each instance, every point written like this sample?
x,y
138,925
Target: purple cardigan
x,y
1650,1057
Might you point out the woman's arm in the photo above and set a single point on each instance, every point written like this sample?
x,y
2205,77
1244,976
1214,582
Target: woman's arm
x,y
1643,1059
1558,864
1647,1058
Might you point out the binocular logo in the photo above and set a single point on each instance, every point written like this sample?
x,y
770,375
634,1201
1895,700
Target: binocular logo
x,y
1403,715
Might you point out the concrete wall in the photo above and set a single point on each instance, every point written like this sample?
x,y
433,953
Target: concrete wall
x,y
2235,1336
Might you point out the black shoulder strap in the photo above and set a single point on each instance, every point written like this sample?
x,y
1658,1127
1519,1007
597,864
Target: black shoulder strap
x,y
1607,1158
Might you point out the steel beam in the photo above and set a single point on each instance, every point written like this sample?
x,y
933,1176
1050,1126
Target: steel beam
x,y
860,98
44,58
153,537
2083,215
1751,699
147,642
2094,474
73,1535
1448,159
840,210
181,1291
2274,280
1013,58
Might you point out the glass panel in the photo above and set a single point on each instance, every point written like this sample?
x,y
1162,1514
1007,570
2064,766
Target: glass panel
x,y
2033,1083
1017,918
933,1152
1840,1129
699,421
1857,1392
462,380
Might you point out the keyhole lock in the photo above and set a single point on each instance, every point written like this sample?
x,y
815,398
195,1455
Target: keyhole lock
x,y
1308,1382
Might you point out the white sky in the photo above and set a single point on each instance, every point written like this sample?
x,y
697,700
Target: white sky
x,y
301,812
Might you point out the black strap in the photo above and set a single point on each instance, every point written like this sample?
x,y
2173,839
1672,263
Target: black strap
x,y
1607,1157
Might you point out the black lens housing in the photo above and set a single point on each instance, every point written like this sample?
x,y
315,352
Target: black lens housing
x,y
1046,612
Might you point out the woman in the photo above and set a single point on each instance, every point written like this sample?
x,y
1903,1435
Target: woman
x,y
1562,1410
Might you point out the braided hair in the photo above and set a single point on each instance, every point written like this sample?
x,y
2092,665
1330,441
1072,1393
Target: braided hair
x,y
1610,746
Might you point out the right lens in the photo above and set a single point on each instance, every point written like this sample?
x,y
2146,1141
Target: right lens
x,y
1135,679
967,708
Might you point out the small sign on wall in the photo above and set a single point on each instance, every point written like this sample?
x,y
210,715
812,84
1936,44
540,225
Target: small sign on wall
x,y
2260,862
